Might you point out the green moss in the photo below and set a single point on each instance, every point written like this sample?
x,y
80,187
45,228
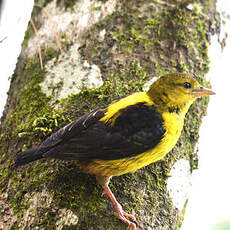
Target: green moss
x,y
33,103
112,89
30,120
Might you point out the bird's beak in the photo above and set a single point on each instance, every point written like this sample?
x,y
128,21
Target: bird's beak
x,y
202,92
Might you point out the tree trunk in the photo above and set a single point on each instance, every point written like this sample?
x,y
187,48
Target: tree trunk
x,y
109,48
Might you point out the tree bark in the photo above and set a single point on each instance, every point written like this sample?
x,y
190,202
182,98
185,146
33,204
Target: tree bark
x,y
109,48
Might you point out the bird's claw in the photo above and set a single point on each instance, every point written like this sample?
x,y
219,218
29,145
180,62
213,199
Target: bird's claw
x,y
129,215
103,193
122,215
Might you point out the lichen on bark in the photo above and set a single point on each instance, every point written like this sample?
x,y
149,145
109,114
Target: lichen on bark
x,y
130,42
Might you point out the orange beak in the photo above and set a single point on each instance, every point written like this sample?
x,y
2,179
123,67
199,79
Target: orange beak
x,y
202,92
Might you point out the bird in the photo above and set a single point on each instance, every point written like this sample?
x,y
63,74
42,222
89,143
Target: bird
x,y
125,135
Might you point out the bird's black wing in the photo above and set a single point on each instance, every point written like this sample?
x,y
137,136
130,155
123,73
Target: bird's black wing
x,y
73,129
137,129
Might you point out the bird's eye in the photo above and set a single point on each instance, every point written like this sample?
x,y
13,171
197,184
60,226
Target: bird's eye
x,y
187,85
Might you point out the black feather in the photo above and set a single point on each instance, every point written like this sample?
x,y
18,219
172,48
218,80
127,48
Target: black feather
x,y
138,128
27,157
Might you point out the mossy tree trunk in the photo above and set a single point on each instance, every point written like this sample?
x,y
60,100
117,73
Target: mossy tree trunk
x,y
110,48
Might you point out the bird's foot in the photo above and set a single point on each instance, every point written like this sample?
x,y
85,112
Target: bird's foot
x,y
121,214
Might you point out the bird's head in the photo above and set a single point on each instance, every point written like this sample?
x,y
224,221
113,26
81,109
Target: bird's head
x,y
177,89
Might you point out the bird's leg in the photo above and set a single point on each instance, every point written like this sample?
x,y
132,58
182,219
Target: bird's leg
x,y
121,214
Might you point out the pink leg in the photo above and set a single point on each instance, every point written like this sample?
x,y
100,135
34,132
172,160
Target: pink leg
x,y
121,214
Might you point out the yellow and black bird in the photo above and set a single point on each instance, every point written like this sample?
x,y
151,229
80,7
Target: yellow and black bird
x,y
124,136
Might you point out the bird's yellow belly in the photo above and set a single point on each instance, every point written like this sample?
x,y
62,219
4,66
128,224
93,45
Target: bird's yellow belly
x,y
173,127
126,165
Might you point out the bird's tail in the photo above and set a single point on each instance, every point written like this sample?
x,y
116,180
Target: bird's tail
x,y
28,156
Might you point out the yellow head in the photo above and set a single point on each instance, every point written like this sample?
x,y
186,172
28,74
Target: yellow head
x,y
177,89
